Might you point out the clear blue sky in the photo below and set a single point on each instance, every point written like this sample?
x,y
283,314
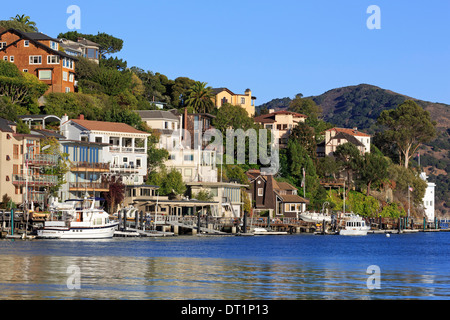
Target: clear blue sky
x,y
276,48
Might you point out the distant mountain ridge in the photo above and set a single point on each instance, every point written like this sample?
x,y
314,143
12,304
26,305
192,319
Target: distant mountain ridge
x,y
360,106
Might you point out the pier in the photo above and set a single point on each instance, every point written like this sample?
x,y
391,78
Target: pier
x,y
150,225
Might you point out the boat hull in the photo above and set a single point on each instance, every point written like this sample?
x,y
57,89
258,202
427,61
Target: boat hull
x,y
103,232
353,232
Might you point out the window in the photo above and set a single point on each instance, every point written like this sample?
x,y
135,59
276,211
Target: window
x,y
5,58
53,59
2,45
54,45
65,76
67,89
11,59
70,77
125,160
260,192
45,75
98,139
138,163
91,53
35,59
187,172
188,157
26,43
242,100
25,70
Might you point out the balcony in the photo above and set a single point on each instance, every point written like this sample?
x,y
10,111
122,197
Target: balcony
x,y
119,149
89,186
34,180
47,160
89,167
124,168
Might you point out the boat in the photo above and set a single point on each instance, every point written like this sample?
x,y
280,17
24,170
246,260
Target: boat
x,y
85,222
266,232
355,225
314,217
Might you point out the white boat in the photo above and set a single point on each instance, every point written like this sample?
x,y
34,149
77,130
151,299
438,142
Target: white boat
x,y
86,222
354,226
265,232
315,217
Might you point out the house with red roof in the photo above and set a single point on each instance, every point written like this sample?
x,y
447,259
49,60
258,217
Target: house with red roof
x,y
126,151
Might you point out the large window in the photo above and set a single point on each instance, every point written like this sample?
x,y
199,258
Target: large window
x,y
35,59
53,59
45,74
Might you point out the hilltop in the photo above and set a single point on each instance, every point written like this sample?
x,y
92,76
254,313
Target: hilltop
x,y
360,106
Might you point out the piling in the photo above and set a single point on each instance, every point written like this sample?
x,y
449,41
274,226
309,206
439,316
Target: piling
x,y
245,222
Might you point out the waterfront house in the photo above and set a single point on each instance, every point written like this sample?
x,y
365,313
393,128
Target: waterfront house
x,y
246,100
334,137
126,153
274,198
22,166
39,54
226,194
281,123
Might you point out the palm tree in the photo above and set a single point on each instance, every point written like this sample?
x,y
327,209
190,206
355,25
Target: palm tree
x,y
200,97
25,20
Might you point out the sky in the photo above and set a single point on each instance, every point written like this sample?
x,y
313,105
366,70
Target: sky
x,y
276,48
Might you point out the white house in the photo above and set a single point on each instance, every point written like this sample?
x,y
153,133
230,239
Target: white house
x,y
194,165
127,150
334,137
429,198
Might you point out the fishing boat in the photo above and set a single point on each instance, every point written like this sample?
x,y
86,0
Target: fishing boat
x,y
78,222
355,225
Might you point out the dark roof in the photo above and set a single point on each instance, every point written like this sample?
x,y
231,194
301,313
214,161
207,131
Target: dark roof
x,y
156,114
48,133
5,125
24,36
349,138
39,36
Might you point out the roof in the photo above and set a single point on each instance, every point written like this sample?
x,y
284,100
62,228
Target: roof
x,y
87,42
270,117
38,36
292,198
31,36
353,132
156,114
216,91
5,125
48,133
107,126
350,138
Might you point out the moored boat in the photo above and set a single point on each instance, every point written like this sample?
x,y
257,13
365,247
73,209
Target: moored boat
x,y
86,222
355,225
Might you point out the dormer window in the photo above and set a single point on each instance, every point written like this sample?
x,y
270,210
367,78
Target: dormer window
x,y
54,45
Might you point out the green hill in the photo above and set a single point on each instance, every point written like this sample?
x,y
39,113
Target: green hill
x,y
360,106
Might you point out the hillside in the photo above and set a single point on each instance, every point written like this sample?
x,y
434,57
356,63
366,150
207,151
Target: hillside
x,y
359,106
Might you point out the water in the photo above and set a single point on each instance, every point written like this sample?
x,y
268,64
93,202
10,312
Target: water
x,y
413,266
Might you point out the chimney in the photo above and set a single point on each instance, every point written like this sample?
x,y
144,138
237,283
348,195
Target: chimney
x,y
81,117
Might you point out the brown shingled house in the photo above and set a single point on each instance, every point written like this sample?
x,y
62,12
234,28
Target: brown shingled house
x,y
39,54
280,199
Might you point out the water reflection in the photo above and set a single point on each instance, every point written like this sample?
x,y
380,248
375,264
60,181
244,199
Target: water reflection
x,y
105,277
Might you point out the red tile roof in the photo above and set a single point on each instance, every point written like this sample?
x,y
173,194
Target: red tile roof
x,y
352,132
107,126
